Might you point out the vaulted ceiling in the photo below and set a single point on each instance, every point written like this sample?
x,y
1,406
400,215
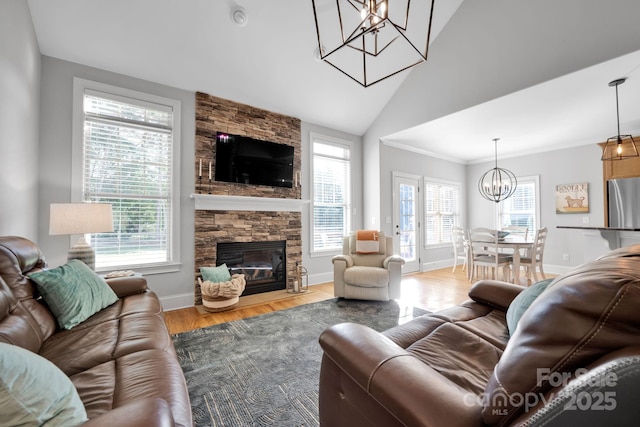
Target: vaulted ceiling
x,y
270,63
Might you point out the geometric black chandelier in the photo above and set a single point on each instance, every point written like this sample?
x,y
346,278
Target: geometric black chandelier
x,y
619,147
497,184
371,40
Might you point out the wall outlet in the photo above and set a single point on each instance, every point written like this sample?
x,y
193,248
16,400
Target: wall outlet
x,y
585,220
565,257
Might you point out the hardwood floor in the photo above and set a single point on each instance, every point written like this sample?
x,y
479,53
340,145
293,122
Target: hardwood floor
x,y
432,291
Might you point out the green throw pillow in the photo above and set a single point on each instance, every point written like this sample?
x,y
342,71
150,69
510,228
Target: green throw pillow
x,y
521,303
73,292
216,274
34,391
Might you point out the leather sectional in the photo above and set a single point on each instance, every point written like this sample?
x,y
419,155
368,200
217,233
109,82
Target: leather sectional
x,y
121,360
573,358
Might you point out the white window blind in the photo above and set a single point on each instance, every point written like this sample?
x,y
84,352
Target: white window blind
x,y
331,194
442,210
520,209
127,162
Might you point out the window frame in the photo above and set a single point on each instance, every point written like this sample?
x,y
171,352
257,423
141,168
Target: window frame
x,y
342,143
114,92
535,179
458,215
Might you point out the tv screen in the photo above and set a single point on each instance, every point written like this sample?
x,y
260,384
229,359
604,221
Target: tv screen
x,y
245,160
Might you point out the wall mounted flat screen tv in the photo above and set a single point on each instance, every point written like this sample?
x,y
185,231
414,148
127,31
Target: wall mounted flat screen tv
x,y
245,160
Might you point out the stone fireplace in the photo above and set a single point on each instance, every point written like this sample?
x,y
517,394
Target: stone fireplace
x,y
241,213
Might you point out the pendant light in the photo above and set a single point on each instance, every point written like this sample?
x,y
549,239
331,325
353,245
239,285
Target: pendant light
x,y
619,147
497,184
372,40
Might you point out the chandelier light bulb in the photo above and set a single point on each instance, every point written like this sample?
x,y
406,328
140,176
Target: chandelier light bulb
x,y
383,9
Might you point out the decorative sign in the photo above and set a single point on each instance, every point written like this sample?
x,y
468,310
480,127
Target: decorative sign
x,y
572,198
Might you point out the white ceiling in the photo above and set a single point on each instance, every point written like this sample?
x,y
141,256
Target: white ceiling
x,y
269,63
572,110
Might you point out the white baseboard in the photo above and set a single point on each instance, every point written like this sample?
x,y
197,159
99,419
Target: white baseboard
x,y
318,278
174,302
436,265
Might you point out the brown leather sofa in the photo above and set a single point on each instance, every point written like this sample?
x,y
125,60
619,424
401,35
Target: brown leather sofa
x,y
121,360
574,358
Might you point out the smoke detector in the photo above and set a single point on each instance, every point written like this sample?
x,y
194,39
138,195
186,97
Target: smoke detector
x,y
239,16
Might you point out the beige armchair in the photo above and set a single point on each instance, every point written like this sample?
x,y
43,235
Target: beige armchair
x,y
370,276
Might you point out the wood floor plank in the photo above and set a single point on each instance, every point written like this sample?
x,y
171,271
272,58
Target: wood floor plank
x,y
431,290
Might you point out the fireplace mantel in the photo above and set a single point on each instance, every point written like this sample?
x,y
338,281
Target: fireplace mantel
x,y
214,202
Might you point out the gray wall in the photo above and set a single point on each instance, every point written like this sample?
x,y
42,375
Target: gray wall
x,y
320,267
567,166
19,109
175,289
397,160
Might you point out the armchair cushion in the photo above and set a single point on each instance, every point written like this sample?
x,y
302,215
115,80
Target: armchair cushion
x,y
371,277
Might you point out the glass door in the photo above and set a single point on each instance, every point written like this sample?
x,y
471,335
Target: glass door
x,y
406,222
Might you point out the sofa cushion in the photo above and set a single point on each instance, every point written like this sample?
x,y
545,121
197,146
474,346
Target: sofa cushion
x,y
521,303
216,274
73,292
134,323
33,391
561,333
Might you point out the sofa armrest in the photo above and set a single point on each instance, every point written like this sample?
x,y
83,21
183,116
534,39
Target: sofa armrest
x,y
143,413
130,285
393,378
494,293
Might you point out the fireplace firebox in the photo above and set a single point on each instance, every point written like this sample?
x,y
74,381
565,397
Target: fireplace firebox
x,y
262,263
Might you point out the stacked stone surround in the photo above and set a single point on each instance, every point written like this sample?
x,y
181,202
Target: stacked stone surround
x,y
211,226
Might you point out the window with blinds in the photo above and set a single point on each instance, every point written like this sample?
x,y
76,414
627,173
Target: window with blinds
x,y
520,209
127,161
442,211
331,194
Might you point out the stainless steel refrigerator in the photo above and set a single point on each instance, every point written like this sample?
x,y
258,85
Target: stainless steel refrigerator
x,y
624,202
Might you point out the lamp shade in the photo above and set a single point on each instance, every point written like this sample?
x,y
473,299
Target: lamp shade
x,y
80,218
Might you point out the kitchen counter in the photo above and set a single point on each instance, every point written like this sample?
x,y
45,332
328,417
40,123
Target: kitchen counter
x,y
598,228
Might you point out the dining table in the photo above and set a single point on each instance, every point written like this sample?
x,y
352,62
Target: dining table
x,y
516,244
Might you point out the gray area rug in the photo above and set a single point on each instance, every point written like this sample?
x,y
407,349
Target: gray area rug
x,y
264,370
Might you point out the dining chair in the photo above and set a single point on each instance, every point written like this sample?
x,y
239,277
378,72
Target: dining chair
x,y
460,243
533,260
485,260
517,230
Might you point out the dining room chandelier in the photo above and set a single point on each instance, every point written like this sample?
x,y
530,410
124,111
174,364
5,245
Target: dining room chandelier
x,y
619,147
372,40
497,184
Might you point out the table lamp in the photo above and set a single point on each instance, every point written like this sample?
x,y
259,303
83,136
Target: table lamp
x,y
81,218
